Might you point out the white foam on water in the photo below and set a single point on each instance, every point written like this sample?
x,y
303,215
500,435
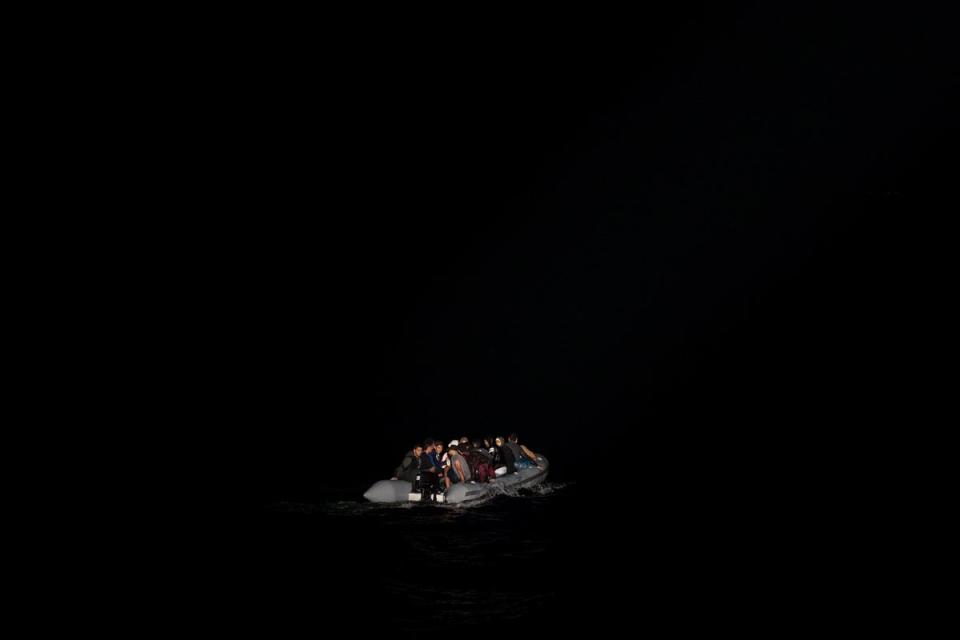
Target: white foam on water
x,y
536,491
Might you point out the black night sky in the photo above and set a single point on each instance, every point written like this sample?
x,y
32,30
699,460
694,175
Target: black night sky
x,y
694,250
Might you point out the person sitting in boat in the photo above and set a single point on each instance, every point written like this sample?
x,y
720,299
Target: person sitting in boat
x,y
518,456
466,453
410,467
498,460
441,456
435,447
459,470
482,467
429,467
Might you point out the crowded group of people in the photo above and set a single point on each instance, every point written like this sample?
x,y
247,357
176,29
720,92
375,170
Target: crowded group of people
x,y
464,460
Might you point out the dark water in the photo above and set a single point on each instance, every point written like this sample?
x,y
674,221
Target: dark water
x,y
566,553
510,558
651,548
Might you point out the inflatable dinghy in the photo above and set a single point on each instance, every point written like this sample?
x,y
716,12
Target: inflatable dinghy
x,y
402,491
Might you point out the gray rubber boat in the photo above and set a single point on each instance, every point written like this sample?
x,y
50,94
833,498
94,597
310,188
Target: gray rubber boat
x,y
402,491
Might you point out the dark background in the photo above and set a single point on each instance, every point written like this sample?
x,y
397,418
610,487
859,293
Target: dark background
x,y
697,252
705,234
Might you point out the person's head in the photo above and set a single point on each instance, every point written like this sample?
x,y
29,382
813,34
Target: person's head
x,y
513,437
454,450
499,441
488,442
477,444
464,440
438,445
428,445
417,450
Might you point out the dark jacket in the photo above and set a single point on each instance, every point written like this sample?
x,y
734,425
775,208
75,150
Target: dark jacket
x,y
409,468
428,460
515,449
481,456
508,458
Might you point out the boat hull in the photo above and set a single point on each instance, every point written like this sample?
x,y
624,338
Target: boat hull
x,y
401,490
